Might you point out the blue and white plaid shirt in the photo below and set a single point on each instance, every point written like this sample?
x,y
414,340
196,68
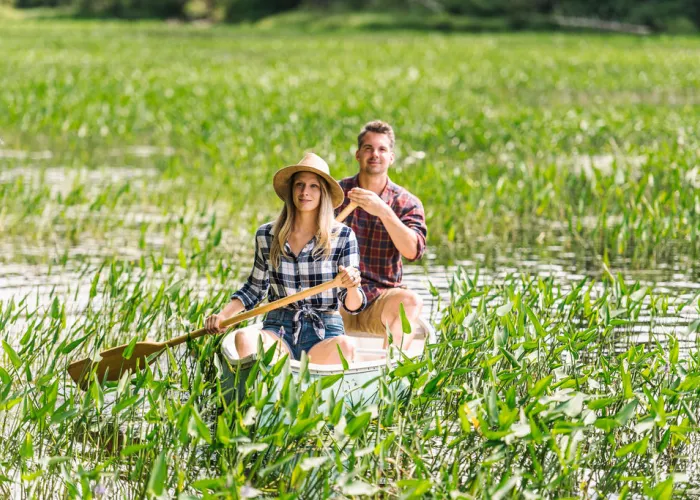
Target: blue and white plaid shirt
x,y
302,272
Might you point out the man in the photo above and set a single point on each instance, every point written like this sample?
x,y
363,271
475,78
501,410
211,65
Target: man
x,y
389,224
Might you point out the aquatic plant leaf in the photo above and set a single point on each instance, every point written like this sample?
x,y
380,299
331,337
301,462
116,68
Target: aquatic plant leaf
x,y
408,368
64,413
435,382
414,488
71,346
93,285
535,321
405,323
330,380
26,450
12,354
599,404
159,474
129,351
663,490
358,488
540,386
202,429
343,361
304,425
133,449
55,308
247,448
223,433
310,463
357,425
639,294
504,309
125,403
627,411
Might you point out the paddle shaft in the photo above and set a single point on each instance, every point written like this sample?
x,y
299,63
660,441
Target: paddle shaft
x,y
233,320
346,211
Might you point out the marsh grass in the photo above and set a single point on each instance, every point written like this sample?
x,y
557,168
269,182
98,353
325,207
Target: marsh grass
x,y
529,390
534,387
492,126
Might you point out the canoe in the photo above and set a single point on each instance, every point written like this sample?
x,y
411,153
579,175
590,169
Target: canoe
x,y
359,383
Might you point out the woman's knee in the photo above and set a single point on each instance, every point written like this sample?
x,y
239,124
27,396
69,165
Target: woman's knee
x,y
244,336
346,345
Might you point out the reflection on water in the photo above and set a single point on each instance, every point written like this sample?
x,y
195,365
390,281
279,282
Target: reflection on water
x,y
680,281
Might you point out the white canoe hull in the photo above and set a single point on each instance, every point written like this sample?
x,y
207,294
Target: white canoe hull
x,y
359,383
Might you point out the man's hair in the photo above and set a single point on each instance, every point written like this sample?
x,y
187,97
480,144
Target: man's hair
x,y
378,127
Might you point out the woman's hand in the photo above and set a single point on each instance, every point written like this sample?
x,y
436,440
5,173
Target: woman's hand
x,y
350,277
213,324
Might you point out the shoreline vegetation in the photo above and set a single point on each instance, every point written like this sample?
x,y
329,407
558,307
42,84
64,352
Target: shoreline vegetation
x,y
316,20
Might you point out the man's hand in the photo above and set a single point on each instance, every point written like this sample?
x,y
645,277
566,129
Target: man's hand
x,y
350,277
369,201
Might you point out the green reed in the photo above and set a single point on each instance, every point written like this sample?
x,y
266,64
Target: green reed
x,y
532,136
530,389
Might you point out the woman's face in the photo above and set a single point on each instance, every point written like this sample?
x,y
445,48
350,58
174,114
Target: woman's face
x,y
306,191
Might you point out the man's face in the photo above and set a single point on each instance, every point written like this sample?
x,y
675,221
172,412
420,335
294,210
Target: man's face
x,y
306,191
375,154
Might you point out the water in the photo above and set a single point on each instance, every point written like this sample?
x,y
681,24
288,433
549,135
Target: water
x,y
38,272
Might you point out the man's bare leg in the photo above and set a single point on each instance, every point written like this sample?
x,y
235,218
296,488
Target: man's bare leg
x,y
412,304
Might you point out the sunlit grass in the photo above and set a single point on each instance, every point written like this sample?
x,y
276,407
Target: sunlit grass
x,y
495,127
136,165
523,373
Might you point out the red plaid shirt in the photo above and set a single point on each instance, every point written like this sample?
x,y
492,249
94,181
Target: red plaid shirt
x,y
380,260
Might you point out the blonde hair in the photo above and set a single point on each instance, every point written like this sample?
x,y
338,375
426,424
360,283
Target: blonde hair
x,y
284,224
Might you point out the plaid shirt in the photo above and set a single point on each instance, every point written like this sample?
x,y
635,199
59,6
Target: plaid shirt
x,y
302,272
380,264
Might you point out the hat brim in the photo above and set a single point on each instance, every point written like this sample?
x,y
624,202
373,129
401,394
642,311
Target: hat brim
x,y
281,182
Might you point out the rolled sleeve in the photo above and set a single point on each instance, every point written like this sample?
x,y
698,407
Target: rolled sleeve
x,y
255,288
350,257
414,218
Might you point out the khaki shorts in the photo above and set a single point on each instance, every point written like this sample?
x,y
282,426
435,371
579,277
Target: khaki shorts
x,y
370,320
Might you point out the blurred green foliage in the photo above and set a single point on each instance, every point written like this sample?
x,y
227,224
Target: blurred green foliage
x,y
658,15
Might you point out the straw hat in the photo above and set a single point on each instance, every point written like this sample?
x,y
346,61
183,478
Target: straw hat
x,y
309,163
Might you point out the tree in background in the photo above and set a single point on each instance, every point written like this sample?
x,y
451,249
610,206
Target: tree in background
x,y
660,15
251,10
131,8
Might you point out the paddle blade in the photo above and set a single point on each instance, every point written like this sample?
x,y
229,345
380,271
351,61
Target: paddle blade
x,y
113,364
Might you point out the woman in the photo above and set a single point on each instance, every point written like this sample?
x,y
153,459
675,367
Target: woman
x,y
303,248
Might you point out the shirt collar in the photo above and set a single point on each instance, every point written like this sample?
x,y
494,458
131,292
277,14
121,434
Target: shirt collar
x,y
307,248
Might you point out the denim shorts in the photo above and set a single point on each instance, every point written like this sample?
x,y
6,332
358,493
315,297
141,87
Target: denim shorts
x,y
284,318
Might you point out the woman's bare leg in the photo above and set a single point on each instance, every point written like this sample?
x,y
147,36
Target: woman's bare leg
x,y
246,340
326,351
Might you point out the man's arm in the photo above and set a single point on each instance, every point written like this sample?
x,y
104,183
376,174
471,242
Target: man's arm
x,y
405,238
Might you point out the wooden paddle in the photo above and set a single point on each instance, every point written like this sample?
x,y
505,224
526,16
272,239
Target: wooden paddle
x,y
112,362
